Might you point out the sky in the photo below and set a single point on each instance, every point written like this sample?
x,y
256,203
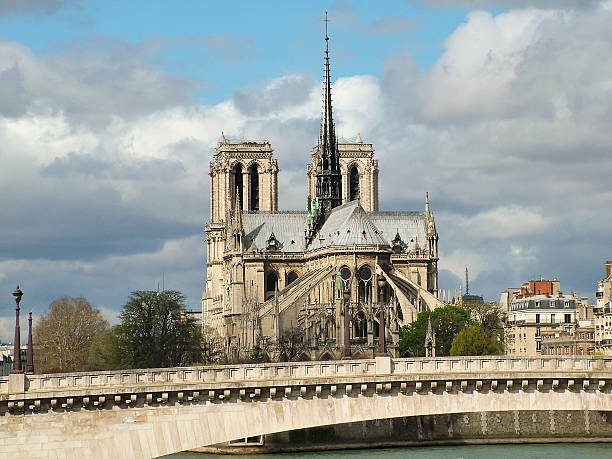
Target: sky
x,y
110,112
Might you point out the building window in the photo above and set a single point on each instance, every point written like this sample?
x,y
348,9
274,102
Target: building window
x,y
552,318
537,318
254,191
354,184
361,325
538,345
271,285
237,186
568,318
538,331
365,285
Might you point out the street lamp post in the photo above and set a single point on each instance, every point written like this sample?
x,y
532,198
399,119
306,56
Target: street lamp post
x,y
381,316
29,369
347,324
17,294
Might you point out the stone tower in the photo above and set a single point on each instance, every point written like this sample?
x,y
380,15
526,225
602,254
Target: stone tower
x,y
243,178
358,171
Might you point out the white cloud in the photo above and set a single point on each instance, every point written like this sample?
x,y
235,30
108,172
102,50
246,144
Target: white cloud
x,y
506,222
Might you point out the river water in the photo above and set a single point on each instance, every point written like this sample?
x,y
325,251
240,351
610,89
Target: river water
x,y
527,451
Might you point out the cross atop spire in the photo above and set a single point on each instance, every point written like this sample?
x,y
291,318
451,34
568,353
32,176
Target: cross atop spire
x,y
326,21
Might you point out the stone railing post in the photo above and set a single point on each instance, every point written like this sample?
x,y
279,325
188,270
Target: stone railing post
x,y
384,365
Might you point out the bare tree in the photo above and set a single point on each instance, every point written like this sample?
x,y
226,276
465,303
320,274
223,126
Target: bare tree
x,y
291,345
63,336
212,348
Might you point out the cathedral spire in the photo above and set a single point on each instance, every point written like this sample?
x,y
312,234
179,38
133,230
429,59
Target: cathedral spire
x,y
327,139
327,158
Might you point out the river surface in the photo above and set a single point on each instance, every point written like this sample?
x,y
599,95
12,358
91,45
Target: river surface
x,y
528,451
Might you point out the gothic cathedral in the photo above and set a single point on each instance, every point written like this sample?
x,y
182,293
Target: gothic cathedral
x,y
334,272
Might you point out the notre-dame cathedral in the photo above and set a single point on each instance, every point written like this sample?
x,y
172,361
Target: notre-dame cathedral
x,y
325,271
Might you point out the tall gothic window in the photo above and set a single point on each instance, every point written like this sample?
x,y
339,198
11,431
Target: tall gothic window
x,y
361,325
238,185
365,285
271,284
354,184
254,191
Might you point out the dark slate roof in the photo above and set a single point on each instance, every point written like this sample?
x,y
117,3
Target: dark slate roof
x,y
286,226
345,226
409,225
348,224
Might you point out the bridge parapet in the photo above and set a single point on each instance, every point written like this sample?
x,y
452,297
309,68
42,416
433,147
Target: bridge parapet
x,y
285,372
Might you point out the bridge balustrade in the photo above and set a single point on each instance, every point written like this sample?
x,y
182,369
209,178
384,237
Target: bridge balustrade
x,y
262,373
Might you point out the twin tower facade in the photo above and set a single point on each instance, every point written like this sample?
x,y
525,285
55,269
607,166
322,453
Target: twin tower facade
x,y
272,274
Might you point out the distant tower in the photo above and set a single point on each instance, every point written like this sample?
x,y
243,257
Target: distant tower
x,y
467,282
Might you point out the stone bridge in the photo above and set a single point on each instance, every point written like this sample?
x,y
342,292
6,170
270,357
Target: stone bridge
x,y
154,412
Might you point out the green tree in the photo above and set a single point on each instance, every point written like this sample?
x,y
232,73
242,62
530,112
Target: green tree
x,y
446,321
473,340
104,352
491,319
156,331
63,336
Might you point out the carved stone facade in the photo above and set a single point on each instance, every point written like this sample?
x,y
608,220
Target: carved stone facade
x,y
269,271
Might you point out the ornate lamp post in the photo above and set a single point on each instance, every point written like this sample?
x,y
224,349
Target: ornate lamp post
x,y
381,316
17,294
347,324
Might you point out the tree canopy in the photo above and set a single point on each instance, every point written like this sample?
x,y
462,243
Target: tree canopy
x,y
491,319
446,321
104,352
62,336
473,340
156,331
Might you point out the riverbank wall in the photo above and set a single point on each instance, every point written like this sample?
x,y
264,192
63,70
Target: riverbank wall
x,y
449,429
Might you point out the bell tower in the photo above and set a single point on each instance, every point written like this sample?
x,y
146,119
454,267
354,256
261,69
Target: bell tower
x,y
243,178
